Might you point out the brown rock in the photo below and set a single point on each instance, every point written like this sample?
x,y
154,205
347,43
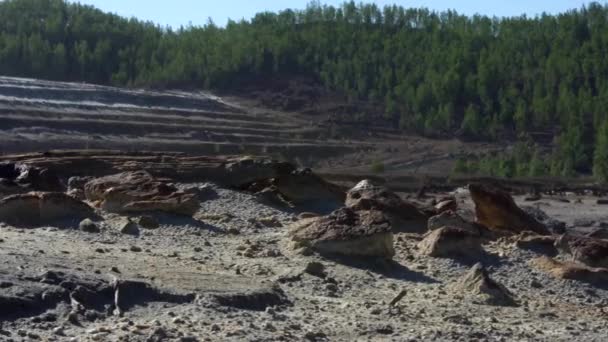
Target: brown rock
x,y
602,201
346,232
404,216
140,192
570,270
589,251
42,208
496,210
477,283
450,242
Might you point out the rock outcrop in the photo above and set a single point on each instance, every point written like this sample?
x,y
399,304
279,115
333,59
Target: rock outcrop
x,y
300,188
131,192
497,210
570,270
450,242
18,178
586,250
478,285
404,216
43,208
346,232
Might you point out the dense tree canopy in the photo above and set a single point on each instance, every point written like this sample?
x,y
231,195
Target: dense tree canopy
x,y
435,73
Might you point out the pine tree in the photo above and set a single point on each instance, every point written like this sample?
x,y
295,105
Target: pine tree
x,y
600,157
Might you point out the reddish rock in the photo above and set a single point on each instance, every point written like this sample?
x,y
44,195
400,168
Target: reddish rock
x,y
497,210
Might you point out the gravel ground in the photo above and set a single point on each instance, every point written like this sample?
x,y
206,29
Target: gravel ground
x,y
230,247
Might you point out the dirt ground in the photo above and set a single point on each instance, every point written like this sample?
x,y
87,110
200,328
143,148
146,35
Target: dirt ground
x,y
228,252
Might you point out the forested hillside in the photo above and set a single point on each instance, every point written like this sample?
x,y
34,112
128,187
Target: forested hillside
x,y
432,73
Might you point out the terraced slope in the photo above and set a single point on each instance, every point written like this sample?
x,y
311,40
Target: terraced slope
x,y
38,115
42,115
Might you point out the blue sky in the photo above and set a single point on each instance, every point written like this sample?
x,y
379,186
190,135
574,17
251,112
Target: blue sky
x,y
183,12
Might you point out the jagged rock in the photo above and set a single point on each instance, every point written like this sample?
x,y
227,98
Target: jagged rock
x,y
231,171
43,208
346,232
450,242
140,192
87,225
78,183
19,178
542,244
598,233
496,210
555,226
478,284
570,270
148,222
589,251
446,205
452,219
304,187
404,216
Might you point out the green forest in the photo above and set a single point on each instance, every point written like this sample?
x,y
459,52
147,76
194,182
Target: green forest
x,y
432,73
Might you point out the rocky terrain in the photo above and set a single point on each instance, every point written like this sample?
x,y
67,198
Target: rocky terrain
x,y
109,246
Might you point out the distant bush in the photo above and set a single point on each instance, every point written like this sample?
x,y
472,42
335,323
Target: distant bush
x,y
377,167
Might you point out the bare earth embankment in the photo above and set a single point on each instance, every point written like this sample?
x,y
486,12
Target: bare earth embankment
x,y
38,115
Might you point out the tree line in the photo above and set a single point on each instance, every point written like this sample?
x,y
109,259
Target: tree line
x,y
439,74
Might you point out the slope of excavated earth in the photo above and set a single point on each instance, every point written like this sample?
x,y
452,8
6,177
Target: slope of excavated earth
x,y
228,273
38,115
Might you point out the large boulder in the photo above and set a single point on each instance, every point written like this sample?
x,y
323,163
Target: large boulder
x,y
497,210
346,232
585,250
478,285
43,208
139,192
450,242
404,216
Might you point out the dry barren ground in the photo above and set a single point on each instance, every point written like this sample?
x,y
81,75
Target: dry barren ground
x,y
228,252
